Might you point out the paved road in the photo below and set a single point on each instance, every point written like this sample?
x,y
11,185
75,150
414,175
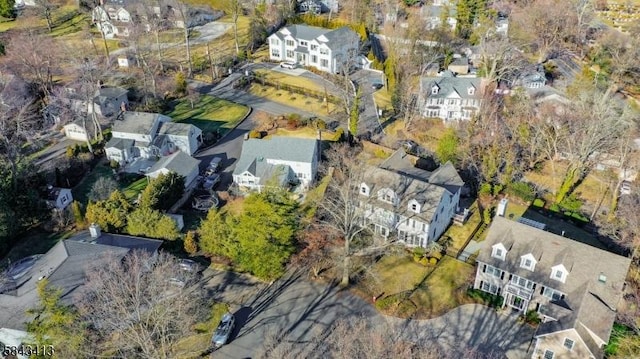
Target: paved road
x,y
295,310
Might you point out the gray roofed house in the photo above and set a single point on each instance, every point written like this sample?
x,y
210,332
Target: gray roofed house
x,y
279,160
138,123
399,199
574,287
178,162
109,101
65,266
449,97
329,50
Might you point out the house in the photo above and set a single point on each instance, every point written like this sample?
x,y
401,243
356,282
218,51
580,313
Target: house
x,y
277,161
58,198
437,16
574,287
109,101
459,66
327,50
65,266
310,6
449,97
150,135
401,201
533,77
178,162
75,131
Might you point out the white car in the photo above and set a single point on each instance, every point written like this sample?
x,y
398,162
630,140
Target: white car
x,y
288,65
625,187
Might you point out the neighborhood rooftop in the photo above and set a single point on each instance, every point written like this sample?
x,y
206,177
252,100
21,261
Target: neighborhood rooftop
x,y
449,84
137,122
276,148
304,32
178,162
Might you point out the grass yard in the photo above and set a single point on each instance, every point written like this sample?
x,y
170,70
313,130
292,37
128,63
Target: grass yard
x,y
308,104
209,113
314,196
284,79
460,234
82,190
382,99
35,242
134,188
308,132
196,345
399,273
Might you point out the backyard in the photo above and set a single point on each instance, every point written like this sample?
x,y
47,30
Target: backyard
x,y
131,185
33,242
208,113
405,288
309,104
459,234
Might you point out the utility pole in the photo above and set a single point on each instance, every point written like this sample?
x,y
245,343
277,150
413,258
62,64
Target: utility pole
x,y
213,74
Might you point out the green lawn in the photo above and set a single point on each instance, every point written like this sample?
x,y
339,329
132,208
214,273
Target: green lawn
x,y
133,189
382,99
302,102
82,190
34,242
314,196
196,345
460,234
284,79
209,113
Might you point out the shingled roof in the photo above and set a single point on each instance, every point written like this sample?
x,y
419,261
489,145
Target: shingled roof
x,y
449,85
291,149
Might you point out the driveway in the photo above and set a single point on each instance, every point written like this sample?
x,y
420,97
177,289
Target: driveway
x,y
368,119
295,310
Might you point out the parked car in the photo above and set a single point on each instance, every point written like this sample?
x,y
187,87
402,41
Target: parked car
x,y
188,265
211,182
223,332
625,187
377,85
288,65
215,164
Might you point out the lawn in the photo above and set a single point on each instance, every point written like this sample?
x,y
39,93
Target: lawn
x,y
198,344
209,113
460,234
35,242
308,104
314,196
382,99
82,190
405,288
134,188
284,79
308,132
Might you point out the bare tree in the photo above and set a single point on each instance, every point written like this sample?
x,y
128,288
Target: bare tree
x,y
234,9
46,7
140,306
183,12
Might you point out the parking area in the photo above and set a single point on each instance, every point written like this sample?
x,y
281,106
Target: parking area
x,y
292,72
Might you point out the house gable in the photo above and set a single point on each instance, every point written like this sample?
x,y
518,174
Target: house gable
x,y
499,251
528,261
559,272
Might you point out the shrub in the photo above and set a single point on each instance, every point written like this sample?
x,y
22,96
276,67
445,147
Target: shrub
x,y
486,215
491,300
340,134
554,207
387,302
255,134
424,261
70,152
485,189
292,124
538,202
190,243
433,261
380,153
321,124
114,164
418,253
522,190
532,317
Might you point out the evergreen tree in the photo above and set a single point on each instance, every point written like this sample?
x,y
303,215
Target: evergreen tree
x,y
147,222
110,214
163,192
191,243
7,9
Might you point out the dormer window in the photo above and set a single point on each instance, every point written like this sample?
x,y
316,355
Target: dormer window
x,y
471,91
434,90
527,261
386,195
499,251
364,189
414,206
559,273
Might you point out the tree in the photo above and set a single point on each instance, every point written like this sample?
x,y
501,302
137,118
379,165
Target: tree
x,y
110,214
354,114
151,223
258,28
56,325
163,192
46,7
137,310
259,240
7,9
102,189
316,249
191,243
447,150
234,9
183,11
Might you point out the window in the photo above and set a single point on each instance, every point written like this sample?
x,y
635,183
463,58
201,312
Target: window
x,y
552,294
568,343
324,62
548,354
498,253
275,52
414,207
290,43
527,262
471,91
522,282
364,190
289,54
491,270
303,43
324,51
387,197
314,47
491,288
314,59
275,42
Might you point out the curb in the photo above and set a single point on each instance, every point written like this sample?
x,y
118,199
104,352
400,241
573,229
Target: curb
x,y
249,111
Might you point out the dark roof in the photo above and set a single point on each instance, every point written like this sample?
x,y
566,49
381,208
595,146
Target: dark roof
x,y
178,162
121,241
590,301
119,143
405,164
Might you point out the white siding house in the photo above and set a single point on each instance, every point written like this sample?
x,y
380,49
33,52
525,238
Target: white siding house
x,y
74,131
450,98
325,49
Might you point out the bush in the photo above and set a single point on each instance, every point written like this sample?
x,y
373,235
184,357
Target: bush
x,y
521,190
320,124
387,302
424,261
554,208
380,153
539,202
70,152
255,134
487,215
191,243
491,300
532,317
114,164
340,134
433,261
418,253
485,189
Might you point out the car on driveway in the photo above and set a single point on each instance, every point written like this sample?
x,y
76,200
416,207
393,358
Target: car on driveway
x,y
211,182
288,65
215,164
377,85
223,332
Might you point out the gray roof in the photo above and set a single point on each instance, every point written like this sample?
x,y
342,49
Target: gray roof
x,y
308,33
448,85
119,143
276,148
405,164
460,61
588,301
137,122
111,92
407,188
177,129
121,241
178,162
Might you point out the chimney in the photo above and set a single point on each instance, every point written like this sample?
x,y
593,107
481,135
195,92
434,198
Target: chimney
x,y
502,207
94,230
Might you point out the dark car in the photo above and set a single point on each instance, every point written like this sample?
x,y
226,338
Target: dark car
x,y
377,85
223,332
211,182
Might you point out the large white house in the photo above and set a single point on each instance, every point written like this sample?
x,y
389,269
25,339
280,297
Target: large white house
x,y
277,161
413,205
149,135
574,287
449,97
325,49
